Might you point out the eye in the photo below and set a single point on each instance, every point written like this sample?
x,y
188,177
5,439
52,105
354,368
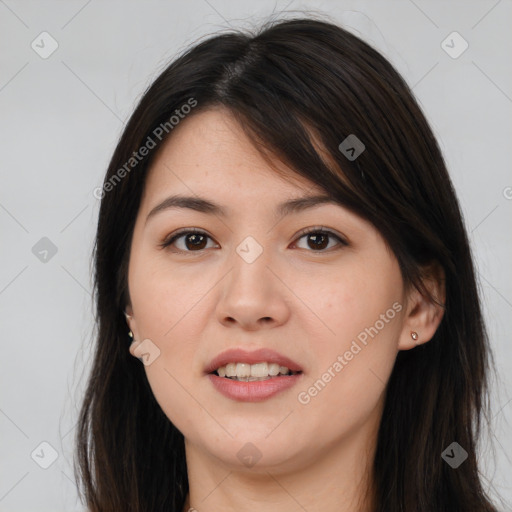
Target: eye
x,y
318,238
194,240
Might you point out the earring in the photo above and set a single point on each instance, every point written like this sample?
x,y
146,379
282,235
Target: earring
x,y
130,333
414,335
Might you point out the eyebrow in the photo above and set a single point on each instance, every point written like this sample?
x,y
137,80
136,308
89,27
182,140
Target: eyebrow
x,y
203,205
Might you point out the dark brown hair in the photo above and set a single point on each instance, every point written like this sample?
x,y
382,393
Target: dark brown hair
x,y
293,85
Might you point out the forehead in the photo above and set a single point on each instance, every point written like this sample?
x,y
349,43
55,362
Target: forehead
x,y
209,153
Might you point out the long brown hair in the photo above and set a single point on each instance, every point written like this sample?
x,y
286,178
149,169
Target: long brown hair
x,y
288,83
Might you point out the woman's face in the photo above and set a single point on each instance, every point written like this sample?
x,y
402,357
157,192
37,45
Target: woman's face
x,y
250,280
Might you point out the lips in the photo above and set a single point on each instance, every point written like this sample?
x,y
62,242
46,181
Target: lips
x,y
262,355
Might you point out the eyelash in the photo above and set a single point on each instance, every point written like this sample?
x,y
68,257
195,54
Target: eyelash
x,y
190,231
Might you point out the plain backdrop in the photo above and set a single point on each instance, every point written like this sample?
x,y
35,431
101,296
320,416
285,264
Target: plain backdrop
x,y
62,114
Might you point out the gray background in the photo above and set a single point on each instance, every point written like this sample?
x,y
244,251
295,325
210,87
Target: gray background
x,y
61,117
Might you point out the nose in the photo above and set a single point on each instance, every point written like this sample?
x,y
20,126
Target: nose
x,y
251,295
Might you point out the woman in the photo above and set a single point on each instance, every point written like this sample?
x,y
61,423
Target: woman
x,y
286,301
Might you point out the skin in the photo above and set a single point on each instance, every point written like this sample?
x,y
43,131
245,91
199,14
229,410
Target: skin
x,y
308,304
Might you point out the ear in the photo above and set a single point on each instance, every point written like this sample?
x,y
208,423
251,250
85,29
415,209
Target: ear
x,y
423,313
132,325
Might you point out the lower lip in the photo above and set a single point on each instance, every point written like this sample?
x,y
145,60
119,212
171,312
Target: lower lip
x,y
255,391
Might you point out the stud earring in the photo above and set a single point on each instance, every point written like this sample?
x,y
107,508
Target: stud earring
x,y
414,335
130,333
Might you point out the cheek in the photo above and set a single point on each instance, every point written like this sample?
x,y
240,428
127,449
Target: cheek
x,y
162,295
350,304
167,312
168,305
361,311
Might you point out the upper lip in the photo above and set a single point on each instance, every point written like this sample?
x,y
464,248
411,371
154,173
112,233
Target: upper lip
x,y
262,355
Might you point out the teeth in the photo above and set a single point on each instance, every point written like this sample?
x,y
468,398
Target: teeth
x,y
273,369
230,370
259,370
243,370
250,372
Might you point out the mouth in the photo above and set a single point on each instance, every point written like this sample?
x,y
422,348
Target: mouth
x,y
244,372
252,376
261,363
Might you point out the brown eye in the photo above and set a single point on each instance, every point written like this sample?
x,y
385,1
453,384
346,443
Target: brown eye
x,y
195,241
189,241
318,239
